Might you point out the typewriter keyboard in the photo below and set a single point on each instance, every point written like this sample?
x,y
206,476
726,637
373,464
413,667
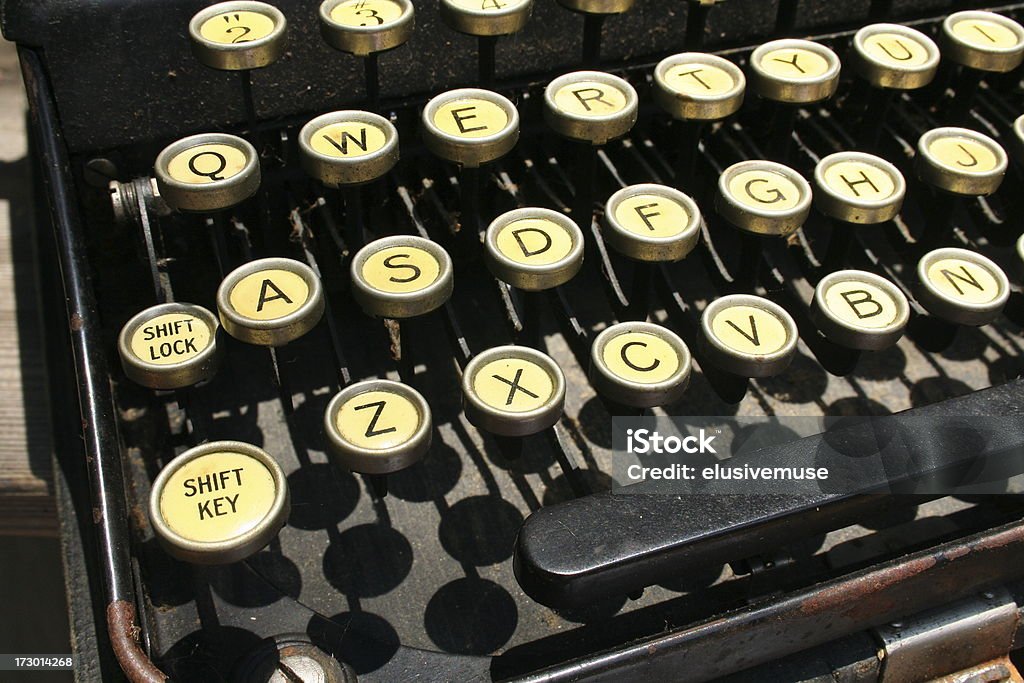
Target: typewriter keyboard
x,y
353,351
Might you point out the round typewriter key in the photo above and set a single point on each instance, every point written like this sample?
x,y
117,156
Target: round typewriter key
x,y
401,277
858,188
486,17
694,86
218,503
513,391
639,364
763,197
961,286
348,147
960,161
470,126
364,27
794,71
983,40
270,302
237,36
207,172
1017,139
590,106
747,335
534,249
859,310
651,222
894,56
597,6
170,346
378,427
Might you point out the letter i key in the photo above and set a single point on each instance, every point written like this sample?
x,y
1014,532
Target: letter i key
x,y
239,36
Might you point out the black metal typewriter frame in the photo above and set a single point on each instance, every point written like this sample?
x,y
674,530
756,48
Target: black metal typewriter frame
x,y
763,632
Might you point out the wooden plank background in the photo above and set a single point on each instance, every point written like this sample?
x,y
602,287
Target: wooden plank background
x,y
26,476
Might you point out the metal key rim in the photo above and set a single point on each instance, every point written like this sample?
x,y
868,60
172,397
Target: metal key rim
x,y
229,550
251,54
530,277
339,171
960,312
478,22
636,394
573,125
763,222
856,337
884,76
470,152
200,367
399,305
795,90
866,211
966,182
997,59
696,107
220,194
653,249
525,423
364,40
723,356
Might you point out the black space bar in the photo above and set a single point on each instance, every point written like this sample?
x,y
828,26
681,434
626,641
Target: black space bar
x,y
604,545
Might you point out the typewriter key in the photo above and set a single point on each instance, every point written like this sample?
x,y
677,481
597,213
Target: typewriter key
x,y
590,106
348,147
1017,139
401,277
218,503
378,427
207,172
639,364
366,28
983,41
960,161
470,126
486,19
747,335
170,346
794,71
859,310
534,249
763,197
238,36
594,13
895,57
694,86
513,391
858,188
270,302
961,286
651,222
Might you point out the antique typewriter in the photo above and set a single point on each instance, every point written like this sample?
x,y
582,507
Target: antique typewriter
x,y
344,297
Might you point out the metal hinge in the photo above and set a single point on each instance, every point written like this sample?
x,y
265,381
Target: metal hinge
x,y
965,642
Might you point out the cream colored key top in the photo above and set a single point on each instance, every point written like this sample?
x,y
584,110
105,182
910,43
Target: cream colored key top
x,y
858,188
345,148
170,346
961,286
859,310
590,106
640,364
694,86
960,161
470,126
513,391
534,249
894,56
763,197
794,71
747,335
218,503
486,17
237,36
985,41
378,427
270,302
597,6
650,222
364,27
207,172
401,277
